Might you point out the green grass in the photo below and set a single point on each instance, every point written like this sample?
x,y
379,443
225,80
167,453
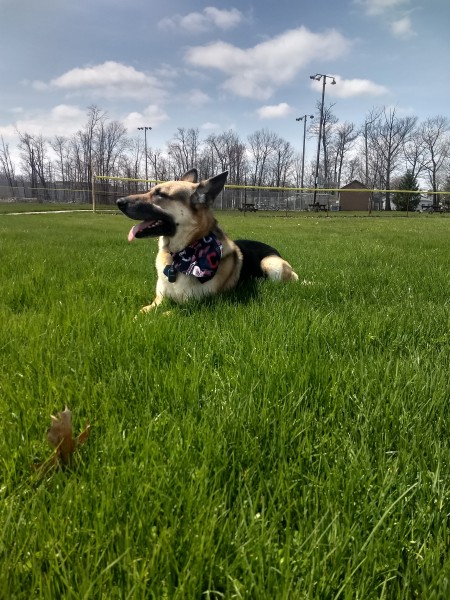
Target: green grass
x,y
289,441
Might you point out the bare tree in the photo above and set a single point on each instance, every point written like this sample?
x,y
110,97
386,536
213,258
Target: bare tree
x,y
414,154
7,165
329,120
350,169
109,143
184,150
434,134
35,162
388,144
366,132
262,145
368,164
388,136
281,162
62,165
160,163
227,153
215,155
344,137
129,166
85,148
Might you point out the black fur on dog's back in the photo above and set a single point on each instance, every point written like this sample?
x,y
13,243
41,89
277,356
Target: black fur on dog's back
x,y
253,253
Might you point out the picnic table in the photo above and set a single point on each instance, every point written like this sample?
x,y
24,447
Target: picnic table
x,y
317,207
248,207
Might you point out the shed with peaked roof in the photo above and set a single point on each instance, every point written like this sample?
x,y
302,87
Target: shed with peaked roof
x,y
354,196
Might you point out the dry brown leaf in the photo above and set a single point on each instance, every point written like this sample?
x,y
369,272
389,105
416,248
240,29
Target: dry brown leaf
x,y
60,436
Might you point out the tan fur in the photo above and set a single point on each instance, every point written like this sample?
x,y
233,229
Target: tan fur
x,y
277,269
185,201
186,288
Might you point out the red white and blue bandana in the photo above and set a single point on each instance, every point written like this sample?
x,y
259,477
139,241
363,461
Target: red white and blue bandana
x,y
200,259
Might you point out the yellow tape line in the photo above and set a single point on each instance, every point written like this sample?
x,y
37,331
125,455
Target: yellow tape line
x,y
247,187
281,189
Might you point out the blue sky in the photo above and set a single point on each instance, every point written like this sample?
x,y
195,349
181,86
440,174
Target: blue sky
x,y
217,65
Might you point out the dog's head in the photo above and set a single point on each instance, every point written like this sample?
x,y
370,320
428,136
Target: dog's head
x,y
172,205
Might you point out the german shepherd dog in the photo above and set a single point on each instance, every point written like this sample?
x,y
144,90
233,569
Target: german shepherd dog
x,y
196,258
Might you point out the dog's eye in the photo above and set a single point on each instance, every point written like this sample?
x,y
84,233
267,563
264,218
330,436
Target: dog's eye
x,y
162,194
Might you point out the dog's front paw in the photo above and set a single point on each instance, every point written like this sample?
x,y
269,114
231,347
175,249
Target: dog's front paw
x,y
144,310
156,302
148,308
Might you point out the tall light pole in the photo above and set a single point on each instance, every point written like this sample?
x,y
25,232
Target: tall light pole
x,y
318,77
304,118
145,129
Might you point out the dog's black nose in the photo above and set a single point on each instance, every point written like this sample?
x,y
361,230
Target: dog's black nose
x,y
122,202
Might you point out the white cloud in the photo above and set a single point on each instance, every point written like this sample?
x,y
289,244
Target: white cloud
x,y
276,111
63,119
17,110
223,19
8,132
110,80
39,86
197,98
256,72
166,71
402,28
208,126
152,116
379,7
199,22
350,88
66,119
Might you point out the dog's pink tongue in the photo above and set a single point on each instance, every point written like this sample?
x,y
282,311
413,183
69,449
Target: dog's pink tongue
x,y
134,230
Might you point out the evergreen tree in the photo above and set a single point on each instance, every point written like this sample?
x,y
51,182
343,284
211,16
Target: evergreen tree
x,y
407,201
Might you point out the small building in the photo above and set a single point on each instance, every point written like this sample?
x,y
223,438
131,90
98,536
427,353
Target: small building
x,y
354,200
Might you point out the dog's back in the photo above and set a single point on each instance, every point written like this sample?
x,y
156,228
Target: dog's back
x,y
253,253
262,260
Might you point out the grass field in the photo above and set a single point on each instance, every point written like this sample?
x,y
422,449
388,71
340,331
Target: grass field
x,y
286,442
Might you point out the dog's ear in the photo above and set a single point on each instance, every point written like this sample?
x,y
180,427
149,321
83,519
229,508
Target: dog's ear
x,y
191,176
209,189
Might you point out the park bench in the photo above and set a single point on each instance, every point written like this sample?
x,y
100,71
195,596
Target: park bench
x,y
317,207
249,207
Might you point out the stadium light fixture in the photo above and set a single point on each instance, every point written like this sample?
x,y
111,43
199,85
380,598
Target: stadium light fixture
x,y
145,129
318,77
304,119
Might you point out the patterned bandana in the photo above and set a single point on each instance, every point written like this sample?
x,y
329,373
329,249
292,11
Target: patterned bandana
x,y
200,259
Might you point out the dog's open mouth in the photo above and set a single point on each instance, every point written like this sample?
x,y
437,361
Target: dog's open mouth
x,y
151,229
155,223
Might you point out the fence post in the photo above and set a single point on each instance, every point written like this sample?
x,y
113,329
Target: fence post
x,y
93,192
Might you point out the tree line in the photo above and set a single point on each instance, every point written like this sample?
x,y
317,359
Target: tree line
x,y
380,153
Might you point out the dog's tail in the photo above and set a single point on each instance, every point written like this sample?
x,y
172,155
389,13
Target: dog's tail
x,y
277,269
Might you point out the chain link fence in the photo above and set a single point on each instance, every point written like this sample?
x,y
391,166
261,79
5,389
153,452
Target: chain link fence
x,y
104,191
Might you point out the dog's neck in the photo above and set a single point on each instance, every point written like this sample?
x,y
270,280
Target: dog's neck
x,y
189,233
200,259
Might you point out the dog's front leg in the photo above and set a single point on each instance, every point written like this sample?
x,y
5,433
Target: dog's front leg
x,y
156,302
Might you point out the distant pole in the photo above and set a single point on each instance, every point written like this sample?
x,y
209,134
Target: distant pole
x,y
366,150
318,77
304,118
145,129
93,191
